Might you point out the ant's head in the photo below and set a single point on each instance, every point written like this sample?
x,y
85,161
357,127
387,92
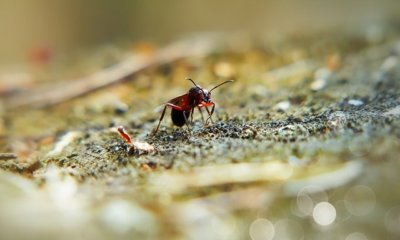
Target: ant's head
x,y
201,93
206,95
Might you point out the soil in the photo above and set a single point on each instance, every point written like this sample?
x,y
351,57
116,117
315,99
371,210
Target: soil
x,y
310,124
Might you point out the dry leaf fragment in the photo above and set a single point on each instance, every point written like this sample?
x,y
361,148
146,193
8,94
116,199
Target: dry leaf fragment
x,y
138,148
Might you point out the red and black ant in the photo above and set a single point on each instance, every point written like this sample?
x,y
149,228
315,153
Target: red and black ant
x,y
183,106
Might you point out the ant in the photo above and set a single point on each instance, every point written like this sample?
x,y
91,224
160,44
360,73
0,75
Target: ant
x,y
183,106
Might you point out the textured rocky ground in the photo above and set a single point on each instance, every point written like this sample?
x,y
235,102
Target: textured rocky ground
x,y
304,145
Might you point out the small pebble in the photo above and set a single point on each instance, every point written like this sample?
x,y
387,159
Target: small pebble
x,y
283,106
318,84
321,77
355,102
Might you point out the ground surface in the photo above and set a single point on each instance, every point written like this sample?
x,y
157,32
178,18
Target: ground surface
x,y
305,144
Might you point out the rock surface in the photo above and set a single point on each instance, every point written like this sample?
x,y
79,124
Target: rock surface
x,y
305,144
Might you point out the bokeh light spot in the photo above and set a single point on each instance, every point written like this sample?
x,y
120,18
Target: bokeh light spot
x,y
308,197
360,200
262,229
392,220
324,213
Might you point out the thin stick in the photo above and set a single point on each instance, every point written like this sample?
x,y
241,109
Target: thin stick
x,y
66,90
8,156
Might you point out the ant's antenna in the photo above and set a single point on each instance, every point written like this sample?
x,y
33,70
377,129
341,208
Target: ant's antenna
x,y
229,81
192,82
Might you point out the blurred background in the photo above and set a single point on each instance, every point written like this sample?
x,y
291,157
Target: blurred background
x,y
62,26
321,98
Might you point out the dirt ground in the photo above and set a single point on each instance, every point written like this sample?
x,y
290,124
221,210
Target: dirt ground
x,y
304,143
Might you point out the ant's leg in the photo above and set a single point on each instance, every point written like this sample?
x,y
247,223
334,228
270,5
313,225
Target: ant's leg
x,y
180,109
201,113
210,114
212,109
163,113
161,118
191,115
174,106
186,122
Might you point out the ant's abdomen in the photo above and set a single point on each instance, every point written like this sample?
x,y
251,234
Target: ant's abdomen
x,y
179,117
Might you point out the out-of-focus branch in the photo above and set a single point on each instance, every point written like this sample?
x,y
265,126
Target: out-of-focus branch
x,y
68,89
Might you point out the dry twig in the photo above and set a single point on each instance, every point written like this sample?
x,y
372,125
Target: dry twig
x,y
69,89
8,156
